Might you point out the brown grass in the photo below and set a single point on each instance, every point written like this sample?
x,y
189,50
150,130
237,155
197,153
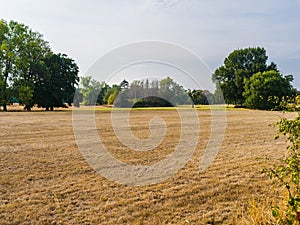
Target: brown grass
x,y
45,180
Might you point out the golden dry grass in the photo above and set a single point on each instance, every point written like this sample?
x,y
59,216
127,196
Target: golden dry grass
x,y
45,180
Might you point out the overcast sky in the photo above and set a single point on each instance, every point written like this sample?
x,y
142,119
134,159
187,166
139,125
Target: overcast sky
x,y
87,30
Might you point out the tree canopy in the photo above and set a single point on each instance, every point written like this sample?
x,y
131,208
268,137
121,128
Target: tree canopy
x,y
141,93
57,86
265,90
246,79
30,72
238,67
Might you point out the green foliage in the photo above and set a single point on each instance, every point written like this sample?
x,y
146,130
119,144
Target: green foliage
x,y
57,85
152,101
287,173
141,93
291,103
20,50
30,72
238,67
24,92
172,91
201,97
218,97
113,94
264,89
90,90
2,90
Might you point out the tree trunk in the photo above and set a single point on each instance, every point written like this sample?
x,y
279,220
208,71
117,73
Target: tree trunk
x,y
4,107
47,108
51,108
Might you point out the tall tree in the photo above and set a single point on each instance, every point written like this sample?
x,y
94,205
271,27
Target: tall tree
x,y
20,50
111,94
58,83
9,33
172,91
238,67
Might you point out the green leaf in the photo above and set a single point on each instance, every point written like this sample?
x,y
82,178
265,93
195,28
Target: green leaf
x,y
275,212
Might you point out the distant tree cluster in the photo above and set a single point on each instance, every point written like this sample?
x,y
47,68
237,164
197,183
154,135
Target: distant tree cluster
x,y
247,80
30,73
141,93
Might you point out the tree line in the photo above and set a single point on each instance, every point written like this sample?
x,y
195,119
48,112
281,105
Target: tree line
x,y
30,73
140,93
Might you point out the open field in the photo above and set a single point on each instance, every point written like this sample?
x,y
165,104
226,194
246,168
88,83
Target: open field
x,y
44,179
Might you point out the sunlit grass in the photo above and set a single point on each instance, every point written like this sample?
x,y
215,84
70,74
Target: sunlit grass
x,y
197,107
45,179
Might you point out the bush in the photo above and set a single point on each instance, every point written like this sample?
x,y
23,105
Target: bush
x,y
288,172
152,101
262,89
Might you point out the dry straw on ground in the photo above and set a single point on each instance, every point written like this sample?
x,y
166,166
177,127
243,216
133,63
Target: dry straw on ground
x,y
45,180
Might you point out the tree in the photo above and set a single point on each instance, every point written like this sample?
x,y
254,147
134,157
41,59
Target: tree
x,y
201,97
20,50
104,88
124,85
238,67
113,92
93,91
265,90
58,83
136,90
9,33
90,89
218,95
172,91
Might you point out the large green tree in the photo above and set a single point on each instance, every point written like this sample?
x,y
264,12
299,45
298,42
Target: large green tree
x,y
238,67
265,90
57,82
31,72
21,50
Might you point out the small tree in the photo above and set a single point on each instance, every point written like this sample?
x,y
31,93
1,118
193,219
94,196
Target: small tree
x,y
265,90
200,97
113,94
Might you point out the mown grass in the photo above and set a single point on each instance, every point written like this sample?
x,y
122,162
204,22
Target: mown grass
x,y
45,180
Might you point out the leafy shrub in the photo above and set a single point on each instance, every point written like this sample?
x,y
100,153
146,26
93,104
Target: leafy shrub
x,y
152,101
288,172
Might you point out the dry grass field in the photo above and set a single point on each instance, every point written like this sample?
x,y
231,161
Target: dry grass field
x,y
44,179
